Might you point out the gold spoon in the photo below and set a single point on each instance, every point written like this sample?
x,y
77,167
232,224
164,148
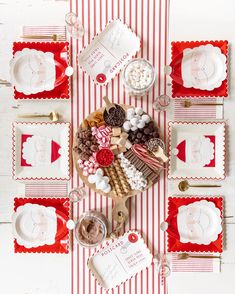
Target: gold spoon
x,y
53,116
182,256
184,186
188,104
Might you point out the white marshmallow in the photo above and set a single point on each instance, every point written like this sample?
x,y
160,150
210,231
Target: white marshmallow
x,y
146,118
107,189
101,182
101,185
138,116
135,178
134,121
130,116
127,126
134,128
141,125
130,111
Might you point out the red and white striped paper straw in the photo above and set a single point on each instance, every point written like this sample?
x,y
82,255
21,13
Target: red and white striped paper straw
x,y
195,264
44,31
198,112
46,190
149,19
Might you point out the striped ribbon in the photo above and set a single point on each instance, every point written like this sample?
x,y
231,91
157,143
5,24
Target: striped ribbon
x,y
149,19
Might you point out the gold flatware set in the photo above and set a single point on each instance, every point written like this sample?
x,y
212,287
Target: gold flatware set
x,y
184,186
53,37
53,116
183,256
188,104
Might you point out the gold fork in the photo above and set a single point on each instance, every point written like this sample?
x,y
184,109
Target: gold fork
x,y
54,37
186,256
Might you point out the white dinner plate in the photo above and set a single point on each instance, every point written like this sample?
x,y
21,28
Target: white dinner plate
x,y
199,222
196,150
34,225
203,67
33,71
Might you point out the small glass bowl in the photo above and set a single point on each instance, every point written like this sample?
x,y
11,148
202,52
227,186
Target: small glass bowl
x,y
161,103
107,152
77,194
74,26
138,89
88,219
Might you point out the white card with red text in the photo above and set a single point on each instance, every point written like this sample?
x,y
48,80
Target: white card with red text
x,y
109,52
120,260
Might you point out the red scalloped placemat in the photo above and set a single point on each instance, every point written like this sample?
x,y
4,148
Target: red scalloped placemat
x,y
58,48
174,244
179,91
61,245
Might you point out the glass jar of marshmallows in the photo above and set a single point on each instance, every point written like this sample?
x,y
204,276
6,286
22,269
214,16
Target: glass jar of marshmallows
x,y
138,77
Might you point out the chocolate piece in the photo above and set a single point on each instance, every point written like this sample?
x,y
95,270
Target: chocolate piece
x,y
115,117
154,177
85,143
151,175
140,136
153,144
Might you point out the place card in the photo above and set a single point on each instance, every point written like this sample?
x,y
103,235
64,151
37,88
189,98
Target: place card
x,y
120,260
109,52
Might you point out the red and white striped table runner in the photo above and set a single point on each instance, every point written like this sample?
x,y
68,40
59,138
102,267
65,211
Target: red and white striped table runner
x,y
149,19
198,112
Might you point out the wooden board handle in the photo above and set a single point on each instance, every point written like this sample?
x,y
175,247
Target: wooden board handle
x,y
120,214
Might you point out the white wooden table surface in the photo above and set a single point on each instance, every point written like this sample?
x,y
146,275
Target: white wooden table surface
x,y
210,20
50,274
25,273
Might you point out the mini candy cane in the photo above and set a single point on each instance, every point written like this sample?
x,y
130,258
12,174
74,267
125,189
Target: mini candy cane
x,y
102,135
143,154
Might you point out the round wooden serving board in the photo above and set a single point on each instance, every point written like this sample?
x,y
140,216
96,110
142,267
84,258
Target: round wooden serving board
x,y
120,202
